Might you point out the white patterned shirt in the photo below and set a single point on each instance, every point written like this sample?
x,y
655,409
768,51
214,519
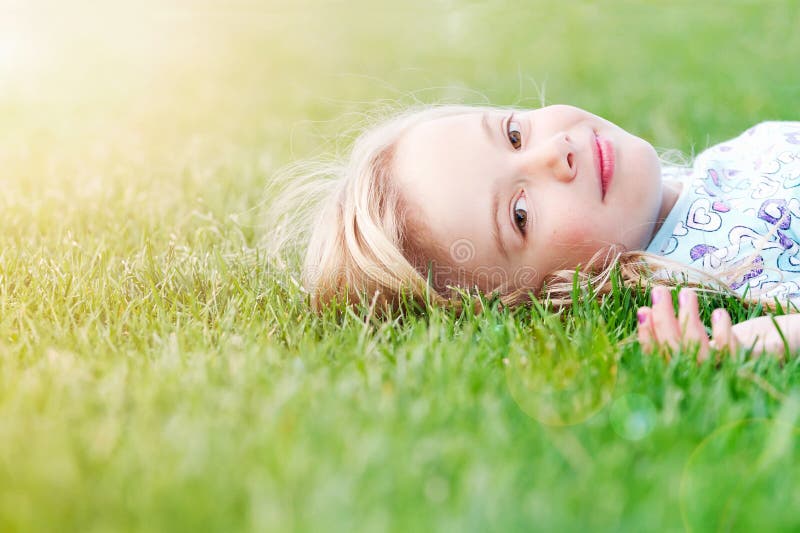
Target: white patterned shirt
x,y
740,203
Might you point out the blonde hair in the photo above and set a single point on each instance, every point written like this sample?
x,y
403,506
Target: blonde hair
x,y
363,246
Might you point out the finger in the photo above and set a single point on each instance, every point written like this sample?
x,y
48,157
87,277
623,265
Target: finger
x,y
665,325
722,331
690,324
644,330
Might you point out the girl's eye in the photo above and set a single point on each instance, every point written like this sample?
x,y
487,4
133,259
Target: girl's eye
x,y
514,132
521,213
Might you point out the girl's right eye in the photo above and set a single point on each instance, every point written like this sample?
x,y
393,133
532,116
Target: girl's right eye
x,y
521,213
514,132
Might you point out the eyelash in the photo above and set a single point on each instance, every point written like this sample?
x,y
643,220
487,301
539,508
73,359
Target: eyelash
x,y
524,229
517,143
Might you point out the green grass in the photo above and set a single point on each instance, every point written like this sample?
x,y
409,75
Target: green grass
x,y
158,372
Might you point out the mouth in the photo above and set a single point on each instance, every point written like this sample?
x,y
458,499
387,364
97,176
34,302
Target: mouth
x,y
604,160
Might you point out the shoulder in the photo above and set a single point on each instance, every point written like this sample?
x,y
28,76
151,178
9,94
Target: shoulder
x,y
771,132
757,142
774,131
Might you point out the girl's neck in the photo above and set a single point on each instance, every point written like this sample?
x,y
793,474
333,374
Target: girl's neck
x,y
671,191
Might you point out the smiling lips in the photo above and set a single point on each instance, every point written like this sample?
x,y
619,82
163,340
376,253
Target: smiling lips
x,y
605,162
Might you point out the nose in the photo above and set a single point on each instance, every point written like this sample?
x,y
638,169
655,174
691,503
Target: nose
x,y
554,157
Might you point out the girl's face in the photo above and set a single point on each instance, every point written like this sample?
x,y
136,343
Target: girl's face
x,y
514,196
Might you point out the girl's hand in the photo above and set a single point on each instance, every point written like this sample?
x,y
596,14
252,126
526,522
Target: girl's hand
x,y
659,328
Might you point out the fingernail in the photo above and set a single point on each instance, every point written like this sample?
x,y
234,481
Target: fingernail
x,y
641,315
716,315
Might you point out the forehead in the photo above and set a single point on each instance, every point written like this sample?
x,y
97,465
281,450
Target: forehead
x,y
440,145
441,160
445,169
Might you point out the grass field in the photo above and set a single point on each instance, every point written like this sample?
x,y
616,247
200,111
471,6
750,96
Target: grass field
x,y
159,373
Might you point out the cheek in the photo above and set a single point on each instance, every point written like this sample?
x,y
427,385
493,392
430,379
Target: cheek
x,y
569,245
574,235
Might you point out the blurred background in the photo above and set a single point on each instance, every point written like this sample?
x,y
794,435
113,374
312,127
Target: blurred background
x,y
254,73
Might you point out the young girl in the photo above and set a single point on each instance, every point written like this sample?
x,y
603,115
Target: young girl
x,y
512,202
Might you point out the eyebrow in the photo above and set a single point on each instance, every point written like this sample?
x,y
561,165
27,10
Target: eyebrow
x,y
496,234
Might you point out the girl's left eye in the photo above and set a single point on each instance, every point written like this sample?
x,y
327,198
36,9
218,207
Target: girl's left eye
x,y
514,132
521,214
